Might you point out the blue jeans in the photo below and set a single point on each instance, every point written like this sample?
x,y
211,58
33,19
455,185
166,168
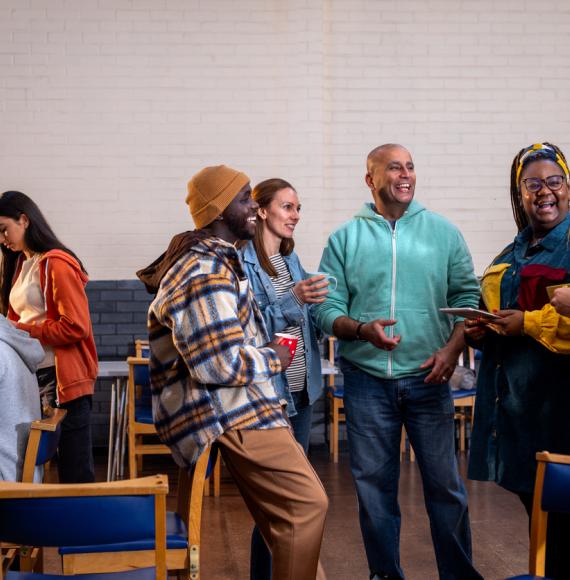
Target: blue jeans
x,y
375,411
260,563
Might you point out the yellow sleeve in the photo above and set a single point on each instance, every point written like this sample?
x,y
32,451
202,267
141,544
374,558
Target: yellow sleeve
x,y
549,328
491,286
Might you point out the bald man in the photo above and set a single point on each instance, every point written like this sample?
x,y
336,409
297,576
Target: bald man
x,y
397,264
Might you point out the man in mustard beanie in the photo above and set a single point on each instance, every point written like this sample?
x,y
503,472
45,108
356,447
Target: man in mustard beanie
x,y
211,366
211,190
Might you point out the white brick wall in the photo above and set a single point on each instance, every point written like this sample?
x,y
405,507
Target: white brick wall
x,y
107,107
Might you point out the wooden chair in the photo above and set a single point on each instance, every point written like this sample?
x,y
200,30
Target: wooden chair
x,y
464,401
42,443
335,396
42,446
139,416
551,494
182,532
142,352
141,348
84,514
403,440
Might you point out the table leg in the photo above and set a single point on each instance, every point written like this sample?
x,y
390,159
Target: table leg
x,y
124,417
111,446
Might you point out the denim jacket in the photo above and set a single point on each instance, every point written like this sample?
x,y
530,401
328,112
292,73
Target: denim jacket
x,y
283,312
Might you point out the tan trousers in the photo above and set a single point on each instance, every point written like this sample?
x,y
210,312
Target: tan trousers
x,y
284,495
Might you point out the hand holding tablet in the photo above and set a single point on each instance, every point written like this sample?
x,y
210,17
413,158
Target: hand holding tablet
x,y
471,313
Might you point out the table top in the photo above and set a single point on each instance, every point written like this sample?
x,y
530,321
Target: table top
x,y
113,368
120,368
327,367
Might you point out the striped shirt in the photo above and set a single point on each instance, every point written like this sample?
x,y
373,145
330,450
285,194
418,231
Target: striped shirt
x,y
209,369
296,373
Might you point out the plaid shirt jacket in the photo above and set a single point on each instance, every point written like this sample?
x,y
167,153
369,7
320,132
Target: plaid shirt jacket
x,y
209,370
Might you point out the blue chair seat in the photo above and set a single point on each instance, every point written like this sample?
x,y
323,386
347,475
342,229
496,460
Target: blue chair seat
x,y
176,538
337,392
140,574
464,393
143,414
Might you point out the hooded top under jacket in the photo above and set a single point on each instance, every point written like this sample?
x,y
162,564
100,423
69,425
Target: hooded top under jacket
x,y
67,328
19,394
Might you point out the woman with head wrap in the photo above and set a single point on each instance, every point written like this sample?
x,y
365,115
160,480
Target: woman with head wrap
x,y
523,393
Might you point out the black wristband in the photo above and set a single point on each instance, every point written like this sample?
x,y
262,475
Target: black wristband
x,y
357,334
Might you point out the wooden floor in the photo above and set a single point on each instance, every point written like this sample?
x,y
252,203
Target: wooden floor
x,y
498,524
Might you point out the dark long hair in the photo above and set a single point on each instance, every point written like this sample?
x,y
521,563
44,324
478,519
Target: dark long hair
x,y
519,214
38,237
264,194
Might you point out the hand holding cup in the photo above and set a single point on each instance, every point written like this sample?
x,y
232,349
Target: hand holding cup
x,y
282,352
314,289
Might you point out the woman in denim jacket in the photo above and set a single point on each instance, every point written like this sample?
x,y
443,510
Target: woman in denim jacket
x,y
284,294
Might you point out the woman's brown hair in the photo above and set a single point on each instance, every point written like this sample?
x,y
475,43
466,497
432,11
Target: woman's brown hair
x,y
264,193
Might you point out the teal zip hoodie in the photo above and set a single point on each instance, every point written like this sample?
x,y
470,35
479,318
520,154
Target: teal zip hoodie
x,y
406,273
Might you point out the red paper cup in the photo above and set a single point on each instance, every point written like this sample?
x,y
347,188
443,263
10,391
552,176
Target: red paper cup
x,y
287,340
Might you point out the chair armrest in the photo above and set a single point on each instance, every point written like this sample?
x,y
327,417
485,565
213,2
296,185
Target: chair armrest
x,y
50,423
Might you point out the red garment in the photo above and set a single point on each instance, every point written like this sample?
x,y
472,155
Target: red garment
x,y
67,328
535,278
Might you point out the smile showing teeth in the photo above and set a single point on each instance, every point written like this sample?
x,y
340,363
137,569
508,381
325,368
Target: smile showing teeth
x,y
252,220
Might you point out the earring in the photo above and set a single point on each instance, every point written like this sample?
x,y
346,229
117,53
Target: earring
x,y
220,218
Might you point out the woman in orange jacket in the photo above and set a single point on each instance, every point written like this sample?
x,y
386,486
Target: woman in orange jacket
x,y
42,291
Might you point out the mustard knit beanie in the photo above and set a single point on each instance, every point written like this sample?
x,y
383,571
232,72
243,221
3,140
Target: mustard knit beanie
x,y
211,190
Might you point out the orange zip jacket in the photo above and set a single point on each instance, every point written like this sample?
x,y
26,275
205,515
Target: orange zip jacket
x,y
67,328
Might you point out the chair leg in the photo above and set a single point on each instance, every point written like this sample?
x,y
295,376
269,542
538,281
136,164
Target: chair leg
x,y
403,447
331,428
31,559
335,429
195,518
132,456
217,475
462,431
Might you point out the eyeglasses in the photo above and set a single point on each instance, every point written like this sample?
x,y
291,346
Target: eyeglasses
x,y
553,182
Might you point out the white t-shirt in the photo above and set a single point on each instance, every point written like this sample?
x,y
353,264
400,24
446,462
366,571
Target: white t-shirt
x,y
28,302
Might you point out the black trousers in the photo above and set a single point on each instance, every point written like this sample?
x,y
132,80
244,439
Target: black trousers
x,y
75,450
557,541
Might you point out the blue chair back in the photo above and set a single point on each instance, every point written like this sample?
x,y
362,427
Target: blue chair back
x,y
49,440
76,520
556,490
143,403
82,514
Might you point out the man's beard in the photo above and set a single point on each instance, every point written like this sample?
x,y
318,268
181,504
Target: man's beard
x,y
239,228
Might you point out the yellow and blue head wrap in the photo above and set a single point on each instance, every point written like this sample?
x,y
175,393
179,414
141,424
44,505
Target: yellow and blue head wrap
x,y
540,151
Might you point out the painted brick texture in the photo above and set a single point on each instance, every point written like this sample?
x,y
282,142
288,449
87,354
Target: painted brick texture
x,y
107,107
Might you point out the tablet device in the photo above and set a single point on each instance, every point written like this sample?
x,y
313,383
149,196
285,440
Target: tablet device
x,y
469,313
550,289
